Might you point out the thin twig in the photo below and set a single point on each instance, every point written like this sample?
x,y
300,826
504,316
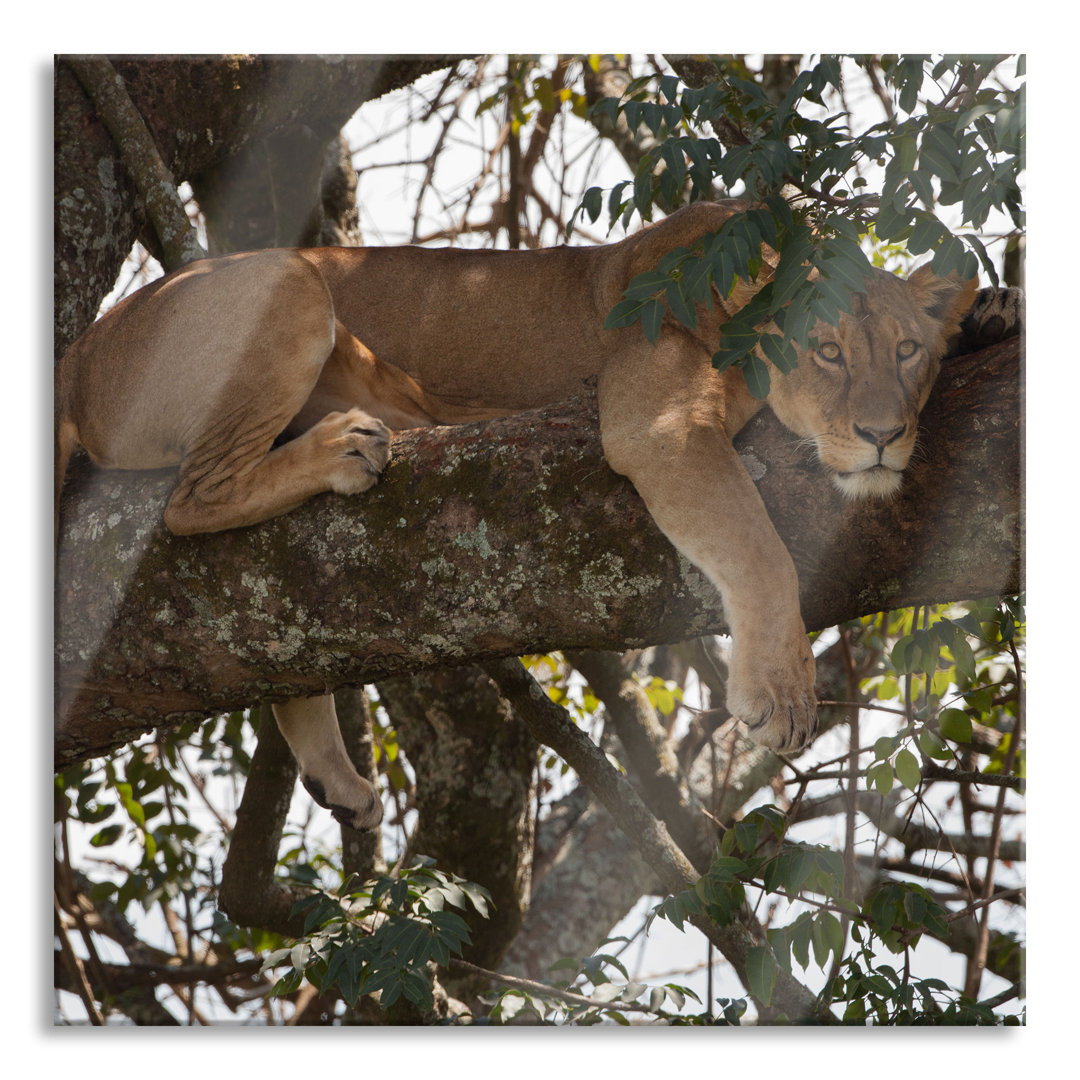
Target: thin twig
x,y
76,969
1004,894
529,986
978,961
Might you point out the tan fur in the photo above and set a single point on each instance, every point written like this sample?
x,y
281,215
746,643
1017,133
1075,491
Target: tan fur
x,y
205,368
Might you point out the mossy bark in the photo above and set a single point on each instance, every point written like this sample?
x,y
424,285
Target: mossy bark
x,y
475,765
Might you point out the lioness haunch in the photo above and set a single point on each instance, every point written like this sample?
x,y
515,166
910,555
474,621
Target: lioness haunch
x,y
204,369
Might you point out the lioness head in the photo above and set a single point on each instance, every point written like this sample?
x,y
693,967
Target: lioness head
x,y
858,394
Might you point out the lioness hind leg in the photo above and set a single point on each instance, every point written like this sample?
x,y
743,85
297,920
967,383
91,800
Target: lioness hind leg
x,y
344,452
310,727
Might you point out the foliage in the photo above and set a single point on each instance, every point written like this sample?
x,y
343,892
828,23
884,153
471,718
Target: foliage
x,y
589,997
950,671
381,938
815,207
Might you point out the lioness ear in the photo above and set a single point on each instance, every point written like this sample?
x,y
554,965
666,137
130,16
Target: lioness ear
x,y
946,299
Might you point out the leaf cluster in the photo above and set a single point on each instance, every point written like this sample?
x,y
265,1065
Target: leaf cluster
x,y
968,677
136,798
966,150
604,998
872,991
381,937
529,89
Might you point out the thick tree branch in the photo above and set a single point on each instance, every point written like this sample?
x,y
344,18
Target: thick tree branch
x,y
652,760
475,764
137,150
249,893
489,540
597,863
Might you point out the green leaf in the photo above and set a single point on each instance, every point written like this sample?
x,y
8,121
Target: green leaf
x,y
914,906
901,652
883,747
643,286
679,304
780,351
905,151
761,971
880,777
797,320
962,654
622,314
800,940
764,224
652,318
756,374
592,202
834,933
780,944
939,153
933,747
907,769
109,835
948,257
834,292
926,235
697,274
845,262
643,194
955,725
746,835
723,270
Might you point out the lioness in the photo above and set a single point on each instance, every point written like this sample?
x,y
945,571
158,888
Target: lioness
x,y
331,347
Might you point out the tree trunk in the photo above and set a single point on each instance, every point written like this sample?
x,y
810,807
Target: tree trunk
x,y
475,765
212,118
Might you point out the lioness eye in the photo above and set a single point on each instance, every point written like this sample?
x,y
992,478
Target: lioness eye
x,y
907,349
830,352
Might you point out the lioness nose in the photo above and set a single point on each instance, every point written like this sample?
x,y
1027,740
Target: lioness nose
x,y
879,438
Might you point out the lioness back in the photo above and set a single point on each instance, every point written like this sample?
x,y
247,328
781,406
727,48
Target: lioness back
x,y
507,329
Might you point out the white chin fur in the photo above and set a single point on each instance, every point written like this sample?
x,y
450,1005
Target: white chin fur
x,y
876,483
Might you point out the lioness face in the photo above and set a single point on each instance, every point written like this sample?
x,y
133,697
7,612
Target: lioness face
x,y
858,394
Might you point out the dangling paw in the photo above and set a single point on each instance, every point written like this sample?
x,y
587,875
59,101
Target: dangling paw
x,y
353,801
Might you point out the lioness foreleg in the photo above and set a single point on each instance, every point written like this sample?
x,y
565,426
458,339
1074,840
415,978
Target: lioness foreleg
x,y
662,426
310,727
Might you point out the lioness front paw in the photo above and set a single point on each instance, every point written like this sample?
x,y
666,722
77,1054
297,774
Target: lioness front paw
x,y
358,446
784,726
777,707
352,800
